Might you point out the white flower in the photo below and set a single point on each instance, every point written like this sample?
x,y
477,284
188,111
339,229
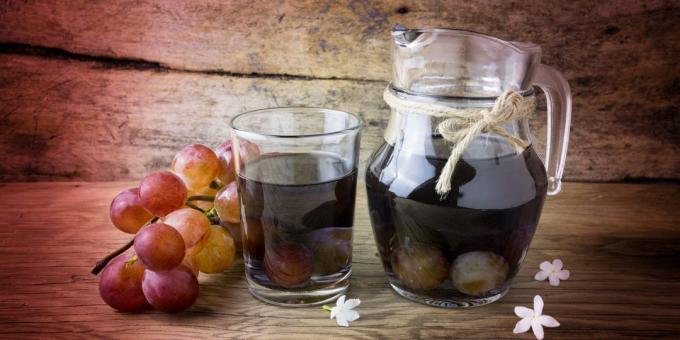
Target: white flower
x,y
343,312
553,272
534,319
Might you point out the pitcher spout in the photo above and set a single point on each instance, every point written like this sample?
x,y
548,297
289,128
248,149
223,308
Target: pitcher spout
x,y
448,62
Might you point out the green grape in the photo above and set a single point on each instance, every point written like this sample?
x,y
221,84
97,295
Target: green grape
x,y
197,165
420,267
477,272
218,253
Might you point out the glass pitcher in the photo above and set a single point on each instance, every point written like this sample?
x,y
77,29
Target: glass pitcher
x,y
455,235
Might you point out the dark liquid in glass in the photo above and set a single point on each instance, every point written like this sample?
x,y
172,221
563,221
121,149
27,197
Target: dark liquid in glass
x,y
297,213
465,248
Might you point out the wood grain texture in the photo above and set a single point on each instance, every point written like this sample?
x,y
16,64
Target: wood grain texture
x,y
349,38
89,120
620,241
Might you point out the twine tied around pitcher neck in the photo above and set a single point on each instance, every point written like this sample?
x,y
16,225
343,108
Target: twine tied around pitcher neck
x,y
461,126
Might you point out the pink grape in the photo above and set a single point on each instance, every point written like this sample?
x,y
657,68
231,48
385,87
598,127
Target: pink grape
x,y
127,213
192,225
162,192
197,165
120,284
247,152
172,290
227,204
159,246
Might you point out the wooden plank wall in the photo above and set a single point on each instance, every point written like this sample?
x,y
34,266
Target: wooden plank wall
x,y
108,90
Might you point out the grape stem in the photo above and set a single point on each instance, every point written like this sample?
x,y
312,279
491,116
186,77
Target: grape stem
x,y
101,264
192,206
212,216
215,185
201,198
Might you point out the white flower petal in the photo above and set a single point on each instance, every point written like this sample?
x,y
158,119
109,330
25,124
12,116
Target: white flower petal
x,y
334,311
554,279
342,321
542,275
522,326
563,274
352,303
548,321
523,312
557,264
538,305
340,302
351,315
545,265
537,328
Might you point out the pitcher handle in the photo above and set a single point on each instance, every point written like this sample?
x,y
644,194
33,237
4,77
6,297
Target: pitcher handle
x,y
558,97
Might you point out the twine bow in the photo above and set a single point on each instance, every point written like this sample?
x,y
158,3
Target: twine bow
x,y
461,126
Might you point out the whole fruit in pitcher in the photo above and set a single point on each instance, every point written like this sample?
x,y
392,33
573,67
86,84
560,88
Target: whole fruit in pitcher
x,y
419,267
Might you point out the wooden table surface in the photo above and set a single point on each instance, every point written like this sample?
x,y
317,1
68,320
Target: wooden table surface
x,y
620,241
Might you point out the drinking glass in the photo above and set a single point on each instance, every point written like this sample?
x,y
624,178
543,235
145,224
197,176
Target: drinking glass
x,y
297,173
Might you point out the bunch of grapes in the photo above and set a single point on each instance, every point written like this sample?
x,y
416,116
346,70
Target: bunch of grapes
x,y
185,221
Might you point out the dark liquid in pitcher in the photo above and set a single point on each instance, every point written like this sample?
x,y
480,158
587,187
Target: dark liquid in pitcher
x,y
297,212
465,248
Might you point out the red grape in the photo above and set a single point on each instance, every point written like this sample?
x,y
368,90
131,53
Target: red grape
x,y
247,152
162,192
218,253
159,246
227,204
120,284
235,231
193,225
197,165
127,212
172,290
289,265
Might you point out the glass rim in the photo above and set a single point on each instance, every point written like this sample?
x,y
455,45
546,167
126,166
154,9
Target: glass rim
x,y
520,47
524,93
354,127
